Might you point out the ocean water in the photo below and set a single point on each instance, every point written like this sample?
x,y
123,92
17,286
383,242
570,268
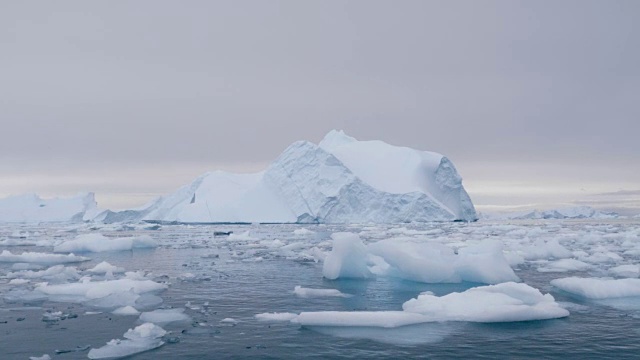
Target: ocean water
x,y
256,270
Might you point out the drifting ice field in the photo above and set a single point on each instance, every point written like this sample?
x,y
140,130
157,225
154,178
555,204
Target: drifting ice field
x,y
538,289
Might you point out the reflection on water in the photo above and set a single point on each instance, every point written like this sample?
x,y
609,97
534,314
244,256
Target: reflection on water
x,y
419,334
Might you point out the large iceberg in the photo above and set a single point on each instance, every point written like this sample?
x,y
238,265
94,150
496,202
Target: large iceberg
x,y
341,180
33,209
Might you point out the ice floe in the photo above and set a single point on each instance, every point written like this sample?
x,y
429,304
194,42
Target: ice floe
x,y
347,259
313,293
126,310
506,302
101,243
429,262
599,288
104,267
57,273
627,271
40,258
104,294
276,316
142,338
165,316
565,265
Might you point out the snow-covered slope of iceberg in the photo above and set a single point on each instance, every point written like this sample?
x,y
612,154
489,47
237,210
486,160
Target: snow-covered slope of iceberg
x,y
342,180
31,208
223,197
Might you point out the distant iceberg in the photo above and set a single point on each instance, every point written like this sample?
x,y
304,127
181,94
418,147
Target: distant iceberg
x,y
341,180
30,208
575,212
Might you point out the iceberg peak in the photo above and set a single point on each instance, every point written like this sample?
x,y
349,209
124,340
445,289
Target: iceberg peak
x,y
335,138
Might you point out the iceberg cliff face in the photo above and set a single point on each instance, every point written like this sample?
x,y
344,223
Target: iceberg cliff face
x,y
341,180
31,208
320,188
402,170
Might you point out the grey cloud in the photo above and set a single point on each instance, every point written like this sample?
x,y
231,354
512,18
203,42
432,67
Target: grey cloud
x,y
151,82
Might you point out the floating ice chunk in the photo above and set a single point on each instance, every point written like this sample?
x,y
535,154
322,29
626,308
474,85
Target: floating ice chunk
x,y
18,282
506,302
628,271
40,258
187,277
101,243
314,254
59,273
17,242
601,257
245,236
436,263
142,338
102,294
276,316
313,293
53,316
26,266
347,259
126,310
24,296
229,321
546,250
104,267
303,232
424,262
514,259
43,357
598,288
386,319
484,263
564,265
165,316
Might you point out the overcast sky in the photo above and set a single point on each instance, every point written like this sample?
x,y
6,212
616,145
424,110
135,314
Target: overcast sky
x,y
535,101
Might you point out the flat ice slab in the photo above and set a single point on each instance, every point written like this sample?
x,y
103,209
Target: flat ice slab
x,y
506,302
40,258
101,243
599,288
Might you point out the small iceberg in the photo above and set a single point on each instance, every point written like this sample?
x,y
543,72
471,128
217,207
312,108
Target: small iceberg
x,y
143,338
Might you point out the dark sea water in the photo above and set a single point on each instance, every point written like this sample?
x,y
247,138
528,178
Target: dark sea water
x,y
239,287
